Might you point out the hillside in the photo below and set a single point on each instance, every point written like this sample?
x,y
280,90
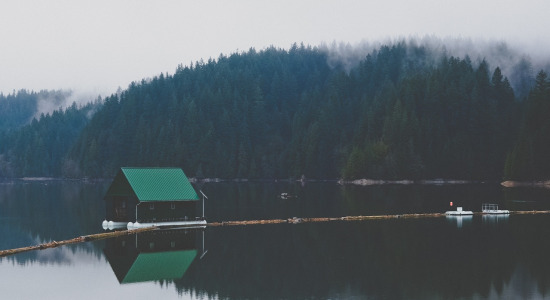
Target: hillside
x,y
34,142
400,112
283,114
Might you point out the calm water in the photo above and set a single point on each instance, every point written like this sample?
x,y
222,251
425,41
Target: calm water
x,y
437,258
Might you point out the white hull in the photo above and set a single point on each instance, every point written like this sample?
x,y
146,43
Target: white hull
x,y
459,213
496,212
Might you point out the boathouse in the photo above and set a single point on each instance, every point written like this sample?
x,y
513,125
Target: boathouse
x,y
151,195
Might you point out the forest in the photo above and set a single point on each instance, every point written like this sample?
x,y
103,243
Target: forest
x,y
36,145
402,112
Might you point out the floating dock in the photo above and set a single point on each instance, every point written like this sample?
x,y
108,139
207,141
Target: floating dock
x,y
110,225
492,209
198,223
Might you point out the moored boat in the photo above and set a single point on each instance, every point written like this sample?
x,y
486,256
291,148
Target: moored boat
x,y
492,209
459,212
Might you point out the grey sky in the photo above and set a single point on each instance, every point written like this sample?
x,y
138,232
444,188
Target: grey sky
x,y
98,46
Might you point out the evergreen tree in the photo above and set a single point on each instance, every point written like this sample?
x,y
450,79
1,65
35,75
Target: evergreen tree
x,y
529,158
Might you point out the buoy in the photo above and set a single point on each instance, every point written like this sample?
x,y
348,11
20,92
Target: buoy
x,y
105,224
130,225
451,203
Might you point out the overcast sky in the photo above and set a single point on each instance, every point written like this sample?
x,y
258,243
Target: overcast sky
x,y
98,46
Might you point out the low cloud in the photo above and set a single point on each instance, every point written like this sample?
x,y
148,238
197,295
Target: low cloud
x,y
517,61
49,101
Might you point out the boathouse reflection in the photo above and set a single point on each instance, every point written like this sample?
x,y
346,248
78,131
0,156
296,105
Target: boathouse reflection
x,y
154,256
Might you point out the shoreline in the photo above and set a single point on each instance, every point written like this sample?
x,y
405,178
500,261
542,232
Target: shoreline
x,y
357,182
363,181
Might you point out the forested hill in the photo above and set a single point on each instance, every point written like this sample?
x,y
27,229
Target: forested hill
x,y
36,132
530,157
401,112
282,114
18,109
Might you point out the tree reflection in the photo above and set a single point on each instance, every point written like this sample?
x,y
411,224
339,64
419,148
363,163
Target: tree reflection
x,y
393,259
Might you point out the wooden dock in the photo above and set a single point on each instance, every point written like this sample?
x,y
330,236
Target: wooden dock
x,y
295,220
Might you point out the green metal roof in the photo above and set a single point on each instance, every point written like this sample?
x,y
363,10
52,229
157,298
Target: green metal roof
x,y
153,184
160,265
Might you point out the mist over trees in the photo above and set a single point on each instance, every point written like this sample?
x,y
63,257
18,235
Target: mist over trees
x,y
18,109
402,111
36,146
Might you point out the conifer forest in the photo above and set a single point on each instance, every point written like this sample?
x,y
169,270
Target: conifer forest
x,y
400,112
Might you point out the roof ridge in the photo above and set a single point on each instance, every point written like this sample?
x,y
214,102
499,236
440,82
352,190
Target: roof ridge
x,y
159,184
150,168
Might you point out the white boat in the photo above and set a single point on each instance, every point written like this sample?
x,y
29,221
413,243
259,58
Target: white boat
x,y
492,209
459,212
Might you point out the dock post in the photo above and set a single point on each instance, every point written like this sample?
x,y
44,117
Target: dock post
x,y
203,197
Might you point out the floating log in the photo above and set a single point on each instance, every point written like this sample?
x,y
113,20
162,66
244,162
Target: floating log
x,y
529,212
248,222
294,220
80,239
403,216
511,183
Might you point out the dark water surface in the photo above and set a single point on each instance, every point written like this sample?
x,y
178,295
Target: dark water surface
x,y
436,258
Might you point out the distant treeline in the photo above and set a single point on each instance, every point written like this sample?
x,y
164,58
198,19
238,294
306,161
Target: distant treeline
x,y
400,113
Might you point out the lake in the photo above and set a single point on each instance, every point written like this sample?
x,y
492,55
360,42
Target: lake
x,y
475,257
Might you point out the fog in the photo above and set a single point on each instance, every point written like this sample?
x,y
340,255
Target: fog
x,y
47,103
97,47
517,61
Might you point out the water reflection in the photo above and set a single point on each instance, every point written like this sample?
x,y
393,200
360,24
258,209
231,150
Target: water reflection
x,y
459,221
35,212
153,256
436,258
493,219
388,259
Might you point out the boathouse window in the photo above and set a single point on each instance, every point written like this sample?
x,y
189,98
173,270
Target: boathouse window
x,y
172,205
151,206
